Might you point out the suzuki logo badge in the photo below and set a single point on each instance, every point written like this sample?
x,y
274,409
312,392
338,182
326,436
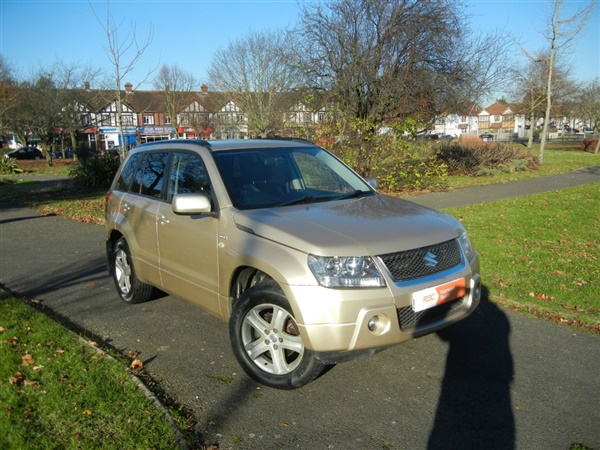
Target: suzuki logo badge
x,y
430,260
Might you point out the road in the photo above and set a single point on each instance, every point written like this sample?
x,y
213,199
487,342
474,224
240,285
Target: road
x,y
496,380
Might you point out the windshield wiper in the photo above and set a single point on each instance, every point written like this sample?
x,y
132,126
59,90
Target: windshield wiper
x,y
308,199
353,194
298,201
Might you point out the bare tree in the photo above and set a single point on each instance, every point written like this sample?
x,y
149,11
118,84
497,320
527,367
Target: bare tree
x,y
254,71
8,92
530,87
177,87
589,108
560,34
124,53
38,113
389,60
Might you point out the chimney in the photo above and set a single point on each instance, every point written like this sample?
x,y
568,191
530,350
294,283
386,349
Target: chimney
x,y
128,88
204,88
86,85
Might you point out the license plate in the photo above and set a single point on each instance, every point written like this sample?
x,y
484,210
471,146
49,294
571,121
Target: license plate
x,y
433,296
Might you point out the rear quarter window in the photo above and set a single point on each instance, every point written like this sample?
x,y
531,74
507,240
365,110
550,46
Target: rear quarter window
x,y
127,173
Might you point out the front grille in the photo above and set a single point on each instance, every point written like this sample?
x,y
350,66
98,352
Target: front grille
x,y
422,262
411,319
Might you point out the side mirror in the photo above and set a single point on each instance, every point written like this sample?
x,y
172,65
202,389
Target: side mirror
x,y
191,204
373,183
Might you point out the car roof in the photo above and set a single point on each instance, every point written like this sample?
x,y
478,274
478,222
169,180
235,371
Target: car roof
x,y
233,144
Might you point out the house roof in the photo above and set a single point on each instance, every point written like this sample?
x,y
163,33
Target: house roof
x,y
497,108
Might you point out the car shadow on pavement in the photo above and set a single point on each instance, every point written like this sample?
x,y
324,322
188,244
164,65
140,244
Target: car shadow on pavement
x,y
474,409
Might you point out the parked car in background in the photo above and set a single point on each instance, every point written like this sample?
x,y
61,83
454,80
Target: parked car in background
x,y
25,153
305,260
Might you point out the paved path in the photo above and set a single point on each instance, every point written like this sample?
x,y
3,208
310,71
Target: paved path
x,y
466,196
496,380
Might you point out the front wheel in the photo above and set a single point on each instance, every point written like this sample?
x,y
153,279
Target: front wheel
x,y
129,287
266,340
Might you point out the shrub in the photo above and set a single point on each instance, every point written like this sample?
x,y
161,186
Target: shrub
x,y
471,156
403,165
95,171
8,166
588,145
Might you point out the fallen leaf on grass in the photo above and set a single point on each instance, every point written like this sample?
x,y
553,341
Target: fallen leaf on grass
x,y
17,379
2,329
27,359
558,272
540,296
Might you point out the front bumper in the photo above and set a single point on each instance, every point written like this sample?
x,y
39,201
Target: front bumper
x,y
336,322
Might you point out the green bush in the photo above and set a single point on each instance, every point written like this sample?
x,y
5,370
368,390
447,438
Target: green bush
x,y
403,166
396,164
8,166
95,171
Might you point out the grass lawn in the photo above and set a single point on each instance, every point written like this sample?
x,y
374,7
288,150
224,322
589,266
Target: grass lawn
x,y
58,392
540,254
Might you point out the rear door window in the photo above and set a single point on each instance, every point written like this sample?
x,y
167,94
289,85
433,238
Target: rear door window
x,y
150,176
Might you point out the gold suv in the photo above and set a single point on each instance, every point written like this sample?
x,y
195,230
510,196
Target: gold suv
x,y
305,260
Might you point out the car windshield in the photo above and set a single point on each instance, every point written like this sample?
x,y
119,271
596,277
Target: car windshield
x,y
271,177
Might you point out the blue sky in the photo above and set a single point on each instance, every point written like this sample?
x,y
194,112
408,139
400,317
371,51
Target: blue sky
x,y
187,33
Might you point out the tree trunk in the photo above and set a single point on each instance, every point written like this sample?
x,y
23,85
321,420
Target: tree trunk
x,y
555,24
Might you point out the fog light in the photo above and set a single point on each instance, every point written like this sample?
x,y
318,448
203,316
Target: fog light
x,y
477,293
373,323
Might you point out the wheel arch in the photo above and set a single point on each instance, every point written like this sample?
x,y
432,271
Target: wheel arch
x,y
111,240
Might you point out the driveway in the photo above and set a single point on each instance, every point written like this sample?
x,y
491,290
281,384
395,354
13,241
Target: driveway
x,y
497,380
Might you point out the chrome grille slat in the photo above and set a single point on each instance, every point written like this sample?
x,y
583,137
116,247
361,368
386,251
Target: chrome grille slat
x,y
412,264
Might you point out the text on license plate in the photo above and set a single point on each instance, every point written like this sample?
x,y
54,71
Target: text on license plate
x,y
430,297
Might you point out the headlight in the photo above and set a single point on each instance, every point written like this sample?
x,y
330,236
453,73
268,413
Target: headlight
x,y
345,272
467,246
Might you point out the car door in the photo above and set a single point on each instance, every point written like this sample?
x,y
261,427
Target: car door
x,y
140,207
188,244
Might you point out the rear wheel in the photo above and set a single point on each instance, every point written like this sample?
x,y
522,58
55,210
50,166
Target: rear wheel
x,y
130,289
266,340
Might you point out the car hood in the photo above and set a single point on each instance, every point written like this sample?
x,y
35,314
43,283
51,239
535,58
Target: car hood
x,y
372,225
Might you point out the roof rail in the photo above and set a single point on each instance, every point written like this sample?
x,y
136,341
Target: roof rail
x,y
180,140
286,138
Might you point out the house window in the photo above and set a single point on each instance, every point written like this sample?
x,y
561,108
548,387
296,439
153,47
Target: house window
x,y
167,120
463,119
127,120
148,120
497,118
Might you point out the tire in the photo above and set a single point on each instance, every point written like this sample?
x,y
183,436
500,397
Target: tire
x,y
130,289
266,340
